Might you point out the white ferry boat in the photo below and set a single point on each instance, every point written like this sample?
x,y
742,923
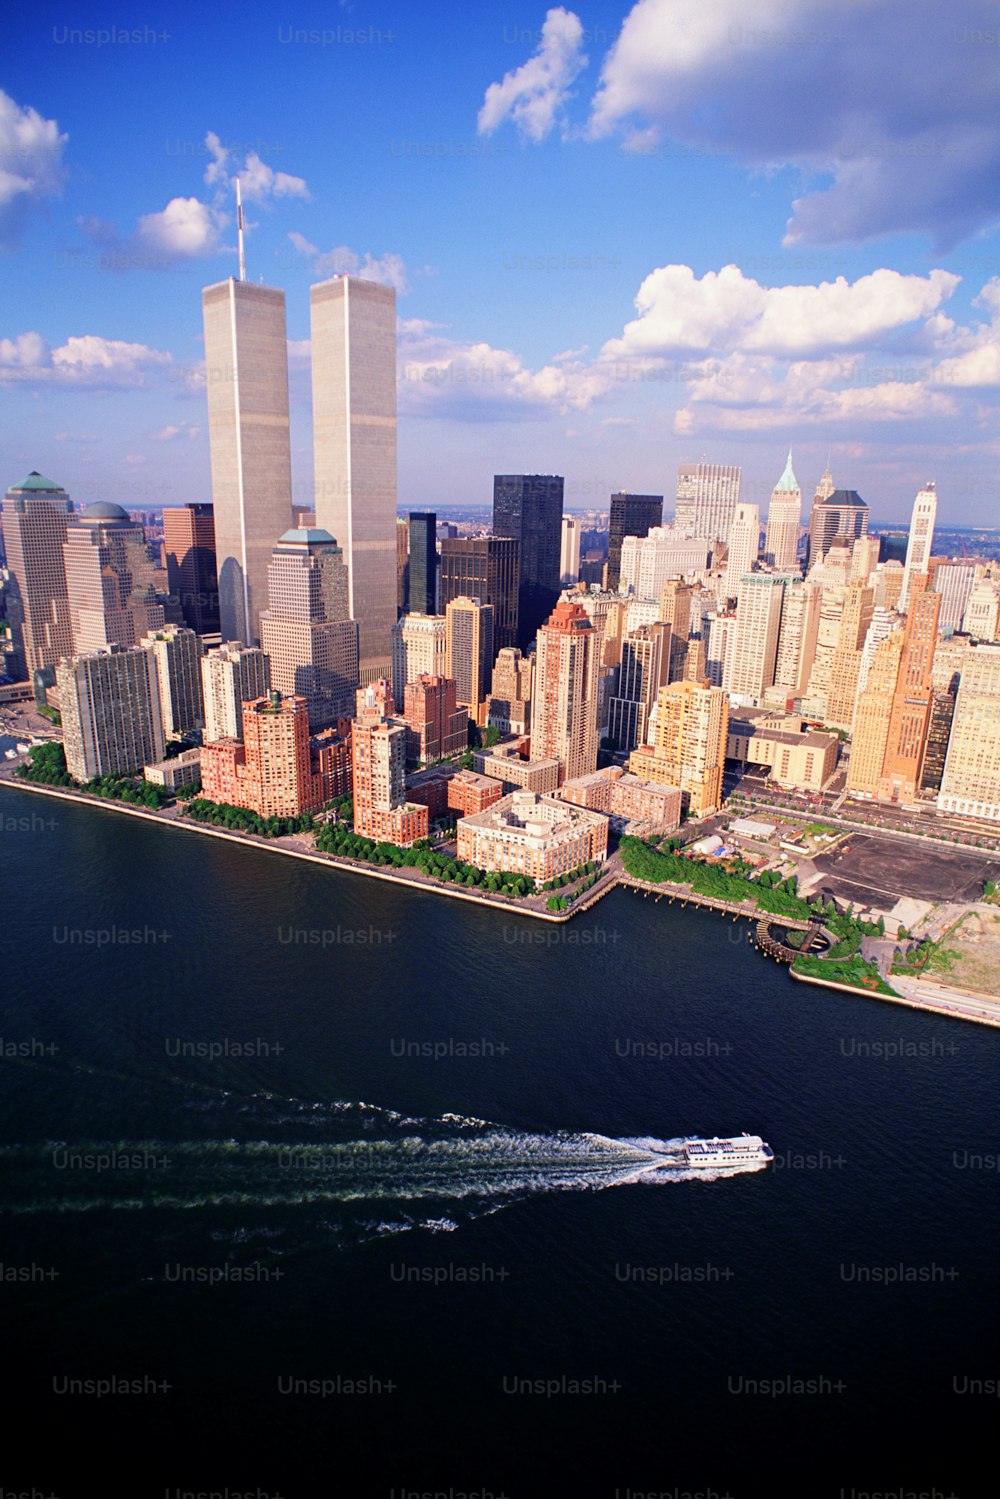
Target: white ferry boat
x,y
741,1150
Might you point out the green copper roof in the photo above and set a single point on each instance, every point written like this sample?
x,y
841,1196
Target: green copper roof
x,y
35,480
788,480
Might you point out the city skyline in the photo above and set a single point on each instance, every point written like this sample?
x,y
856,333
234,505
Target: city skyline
x,y
851,312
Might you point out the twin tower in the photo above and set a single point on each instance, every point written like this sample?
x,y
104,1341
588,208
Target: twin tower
x,y
353,329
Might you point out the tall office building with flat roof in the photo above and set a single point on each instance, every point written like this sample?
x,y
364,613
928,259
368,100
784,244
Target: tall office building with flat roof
x,y
529,508
354,438
486,568
305,630
920,540
707,496
421,588
246,372
192,577
631,515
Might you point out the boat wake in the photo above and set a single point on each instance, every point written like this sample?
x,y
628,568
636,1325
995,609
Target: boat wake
x,y
338,1165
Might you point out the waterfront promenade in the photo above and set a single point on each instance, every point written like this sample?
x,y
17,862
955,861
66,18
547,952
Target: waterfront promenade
x,y
954,1004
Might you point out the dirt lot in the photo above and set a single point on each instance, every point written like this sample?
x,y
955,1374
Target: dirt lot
x,y
970,956
870,870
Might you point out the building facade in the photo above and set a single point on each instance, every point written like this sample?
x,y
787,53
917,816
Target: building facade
x,y
487,568
630,515
970,785
110,706
537,836
784,515
246,364
564,705
529,508
231,675
688,745
177,651
354,438
469,652
36,516
435,724
192,575
306,630
110,580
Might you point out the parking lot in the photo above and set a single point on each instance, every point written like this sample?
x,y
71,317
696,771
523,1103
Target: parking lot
x,y
870,870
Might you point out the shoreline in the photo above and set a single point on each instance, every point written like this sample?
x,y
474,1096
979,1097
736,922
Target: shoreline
x,y
327,861
621,881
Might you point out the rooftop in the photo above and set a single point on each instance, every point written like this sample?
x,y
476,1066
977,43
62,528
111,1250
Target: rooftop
x,y
38,481
306,535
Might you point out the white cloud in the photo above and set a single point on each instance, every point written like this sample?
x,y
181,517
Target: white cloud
x,y
533,95
725,311
442,377
31,167
84,361
186,229
389,269
171,434
258,181
819,85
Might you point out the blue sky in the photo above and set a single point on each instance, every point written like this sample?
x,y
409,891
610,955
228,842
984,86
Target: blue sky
x,y
623,237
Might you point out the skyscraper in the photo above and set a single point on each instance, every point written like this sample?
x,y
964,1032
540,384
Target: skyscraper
x,y
36,516
246,366
569,557
971,782
755,645
110,706
354,437
871,720
306,631
509,702
648,562
232,675
109,579
469,652
707,496
177,652
784,513
378,757
911,703
840,513
192,576
422,567
645,668
564,693
631,515
845,666
436,726
270,770
688,745
419,648
529,507
744,545
920,540
797,634
487,568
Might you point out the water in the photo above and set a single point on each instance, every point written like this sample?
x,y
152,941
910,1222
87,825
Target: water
x,y
418,1162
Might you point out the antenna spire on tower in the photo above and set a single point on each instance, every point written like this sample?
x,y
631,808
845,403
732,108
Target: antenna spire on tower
x,y
239,228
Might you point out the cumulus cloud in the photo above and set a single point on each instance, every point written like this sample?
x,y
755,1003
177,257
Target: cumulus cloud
x,y
171,434
186,229
444,377
534,94
725,311
259,182
31,167
85,361
818,85
389,269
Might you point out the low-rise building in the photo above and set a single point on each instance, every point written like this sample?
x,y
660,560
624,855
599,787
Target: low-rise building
x,y
538,836
469,793
796,756
429,788
183,770
331,752
515,772
629,798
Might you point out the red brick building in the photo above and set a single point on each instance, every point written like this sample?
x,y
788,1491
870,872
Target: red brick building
x,y
435,725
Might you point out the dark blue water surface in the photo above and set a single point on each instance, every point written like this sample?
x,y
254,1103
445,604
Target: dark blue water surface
x,y
379,1206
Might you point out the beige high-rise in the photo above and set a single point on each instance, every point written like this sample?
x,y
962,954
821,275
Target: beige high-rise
x,y
871,722
755,644
845,666
311,643
246,373
232,675
797,634
109,579
920,540
354,439
784,513
469,652
688,747
419,649
36,517
971,781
